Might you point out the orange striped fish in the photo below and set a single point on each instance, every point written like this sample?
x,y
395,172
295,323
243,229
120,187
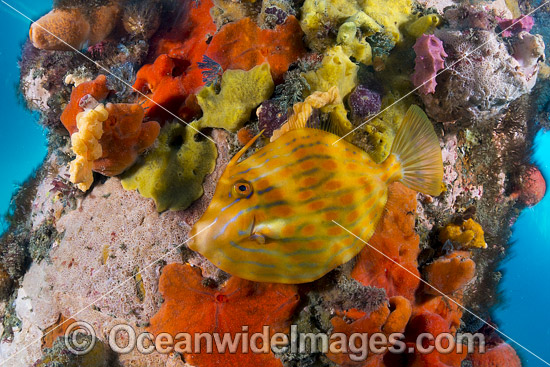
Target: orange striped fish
x,y
271,217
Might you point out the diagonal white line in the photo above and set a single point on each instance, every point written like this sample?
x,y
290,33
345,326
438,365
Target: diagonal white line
x,y
445,69
108,71
104,295
438,291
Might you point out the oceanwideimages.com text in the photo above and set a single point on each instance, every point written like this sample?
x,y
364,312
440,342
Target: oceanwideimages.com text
x,y
80,338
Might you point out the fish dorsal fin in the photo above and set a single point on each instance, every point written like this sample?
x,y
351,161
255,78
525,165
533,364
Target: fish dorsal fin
x,y
302,112
243,150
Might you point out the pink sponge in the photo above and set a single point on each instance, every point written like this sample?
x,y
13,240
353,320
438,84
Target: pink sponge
x,y
430,57
511,27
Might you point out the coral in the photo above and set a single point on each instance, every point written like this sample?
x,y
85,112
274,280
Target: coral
x,y
240,92
467,235
492,77
228,11
501,354
511,27
363,102
273,15
292,90
113,237
244,135
120,80
173,171
74,27
424,24
195,308
211,71
275,12
465,17
243,45
96,89
271,116
449,273
302,111
395,237
124,137
142,18
430,59
532,187
85,144
528,50
336,70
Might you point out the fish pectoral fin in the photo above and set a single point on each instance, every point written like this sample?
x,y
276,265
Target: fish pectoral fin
x,y
258,237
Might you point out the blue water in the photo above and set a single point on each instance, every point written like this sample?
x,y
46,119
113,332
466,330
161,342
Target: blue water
x,y
22,140
525,315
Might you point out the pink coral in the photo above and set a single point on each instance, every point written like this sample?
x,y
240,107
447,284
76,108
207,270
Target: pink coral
x,y
512,27
430,58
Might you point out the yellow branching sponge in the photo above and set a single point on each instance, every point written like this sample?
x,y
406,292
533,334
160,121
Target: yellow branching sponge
x,y
303,110
336,70
387,15
467,235
86,146
424,24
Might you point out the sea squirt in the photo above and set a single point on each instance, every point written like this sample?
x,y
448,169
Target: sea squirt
x,y
272,217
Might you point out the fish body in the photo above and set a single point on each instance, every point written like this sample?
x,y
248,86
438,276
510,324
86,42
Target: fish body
x,y
272,217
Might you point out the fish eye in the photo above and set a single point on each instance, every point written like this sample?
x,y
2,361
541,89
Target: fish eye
x,y
242,188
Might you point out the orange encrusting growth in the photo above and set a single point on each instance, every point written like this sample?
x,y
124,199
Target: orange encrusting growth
x,y
243,45
301,184
96,88
503,354
124,134
192,308
450,273
176,76
396,238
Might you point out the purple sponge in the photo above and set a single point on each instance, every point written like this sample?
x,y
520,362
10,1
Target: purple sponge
x,y
430,58
364,102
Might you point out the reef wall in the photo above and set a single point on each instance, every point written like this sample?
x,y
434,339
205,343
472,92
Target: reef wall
x,y
146,103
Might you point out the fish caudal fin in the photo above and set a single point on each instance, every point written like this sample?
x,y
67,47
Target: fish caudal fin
x,y
416,146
